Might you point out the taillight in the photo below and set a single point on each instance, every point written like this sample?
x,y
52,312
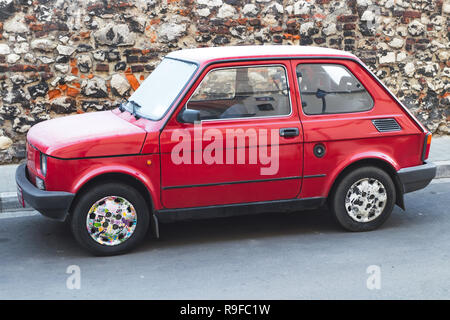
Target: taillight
x,y
426,146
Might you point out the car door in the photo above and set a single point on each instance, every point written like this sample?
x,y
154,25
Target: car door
x,y
247,146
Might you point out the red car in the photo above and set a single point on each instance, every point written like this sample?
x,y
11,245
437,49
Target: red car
x,y
223,131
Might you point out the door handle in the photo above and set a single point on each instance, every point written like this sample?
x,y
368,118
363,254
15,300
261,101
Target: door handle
x,y
289,132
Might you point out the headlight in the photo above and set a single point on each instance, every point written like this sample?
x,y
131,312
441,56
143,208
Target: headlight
x,y
44,164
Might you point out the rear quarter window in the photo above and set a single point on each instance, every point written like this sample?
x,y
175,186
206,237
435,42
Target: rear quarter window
x,y
330,89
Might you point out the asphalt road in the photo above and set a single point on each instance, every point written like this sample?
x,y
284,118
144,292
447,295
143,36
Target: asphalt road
x,y
270,256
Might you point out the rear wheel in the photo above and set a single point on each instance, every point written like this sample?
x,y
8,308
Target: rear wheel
x,y
363,199
110,218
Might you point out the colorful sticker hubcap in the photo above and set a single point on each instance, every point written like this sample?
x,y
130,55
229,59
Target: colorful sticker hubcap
x,y
111,220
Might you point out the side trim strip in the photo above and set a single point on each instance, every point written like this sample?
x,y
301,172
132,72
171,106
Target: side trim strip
x,y
228,183
107,156
239,182
315,176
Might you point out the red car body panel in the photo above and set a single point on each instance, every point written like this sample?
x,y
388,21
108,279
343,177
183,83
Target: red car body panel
x,y
60,172
84,147
87,135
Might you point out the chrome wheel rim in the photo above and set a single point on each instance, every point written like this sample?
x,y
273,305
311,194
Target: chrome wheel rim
x,y
111,220
366,200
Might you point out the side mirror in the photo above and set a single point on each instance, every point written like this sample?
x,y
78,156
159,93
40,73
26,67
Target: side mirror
x,y
189,116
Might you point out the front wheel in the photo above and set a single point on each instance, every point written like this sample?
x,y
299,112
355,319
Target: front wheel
x,y
110,218
363,199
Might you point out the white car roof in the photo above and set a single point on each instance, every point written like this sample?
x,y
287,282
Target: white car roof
x,y
240,52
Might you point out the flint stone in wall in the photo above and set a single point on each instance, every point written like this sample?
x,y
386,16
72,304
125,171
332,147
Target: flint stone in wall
x,y
210,3
250,10
226,11
65,50
95,105
17,79
204,12
21,48
171,31
16,95
4,49
137,24
416,28
7,9
389,57
446,7
396,43
84,62
95,87
39,90
22,124
119,85
46,60
16,25
112,55
43,45
99,55
63,105
302,7
29,58
84,48
12,58
5,142
63,68
120,66
9,111
115,34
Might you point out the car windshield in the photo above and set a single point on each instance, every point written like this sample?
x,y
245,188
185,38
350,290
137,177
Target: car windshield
x,y
157,93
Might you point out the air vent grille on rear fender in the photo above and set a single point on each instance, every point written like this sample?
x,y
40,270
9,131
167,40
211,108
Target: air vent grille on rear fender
x,y
386,125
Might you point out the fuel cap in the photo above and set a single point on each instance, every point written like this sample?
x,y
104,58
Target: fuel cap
x,y
319,150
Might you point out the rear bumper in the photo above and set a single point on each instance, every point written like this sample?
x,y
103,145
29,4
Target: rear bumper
x,y
52,204
418,177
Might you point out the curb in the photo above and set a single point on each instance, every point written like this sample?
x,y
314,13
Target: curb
x,y
443,169
9,202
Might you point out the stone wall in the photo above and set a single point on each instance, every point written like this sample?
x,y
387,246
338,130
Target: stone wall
x,y
73,56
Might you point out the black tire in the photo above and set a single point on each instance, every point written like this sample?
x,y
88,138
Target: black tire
x,y
96,193
338,199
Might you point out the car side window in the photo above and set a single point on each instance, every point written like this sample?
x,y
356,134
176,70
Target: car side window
x,y
331,88
242,92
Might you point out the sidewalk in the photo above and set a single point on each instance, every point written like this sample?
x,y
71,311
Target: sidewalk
x,y
439,154
8,196
7,178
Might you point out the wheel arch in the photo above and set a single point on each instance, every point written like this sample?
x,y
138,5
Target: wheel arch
x,y
116,177
373,162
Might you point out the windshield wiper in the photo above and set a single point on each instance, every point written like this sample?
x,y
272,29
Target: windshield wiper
x,y
135,106
122,105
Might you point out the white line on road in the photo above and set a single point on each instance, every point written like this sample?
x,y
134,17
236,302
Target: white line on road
x,y
7,215
8,194
441,180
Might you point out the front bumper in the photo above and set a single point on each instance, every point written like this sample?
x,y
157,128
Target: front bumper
x,y
418,177
52,204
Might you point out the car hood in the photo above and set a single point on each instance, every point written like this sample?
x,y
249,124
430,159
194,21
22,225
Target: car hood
x,y
93,134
